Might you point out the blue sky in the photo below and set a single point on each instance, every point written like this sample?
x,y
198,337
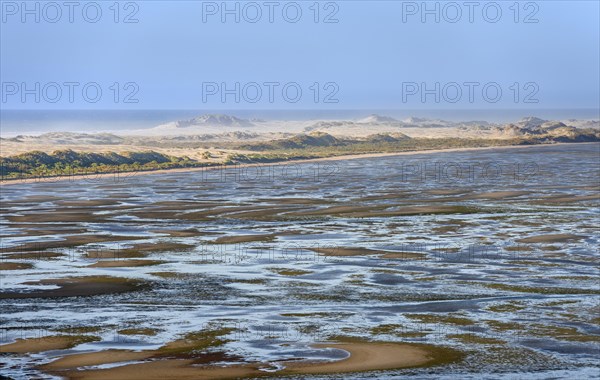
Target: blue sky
x,y
369,59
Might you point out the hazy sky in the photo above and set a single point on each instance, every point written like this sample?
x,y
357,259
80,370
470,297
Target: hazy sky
x,y
379,54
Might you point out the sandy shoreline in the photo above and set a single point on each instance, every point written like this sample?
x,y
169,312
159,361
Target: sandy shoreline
x,y
120,176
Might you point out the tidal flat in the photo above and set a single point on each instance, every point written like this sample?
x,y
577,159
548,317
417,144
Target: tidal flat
x,y
478,264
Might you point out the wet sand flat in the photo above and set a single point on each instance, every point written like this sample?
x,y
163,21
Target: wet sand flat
x,y
243,239
32,345
550,238
167,276
75,287
165,369
95,358
66,242
125,263
368,357
365,356
348,252
15,266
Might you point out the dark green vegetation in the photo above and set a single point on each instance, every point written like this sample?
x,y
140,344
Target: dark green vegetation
x,y
322,144
68,162
319,145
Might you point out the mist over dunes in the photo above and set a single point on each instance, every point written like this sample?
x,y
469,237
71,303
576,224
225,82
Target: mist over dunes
x,y
214,139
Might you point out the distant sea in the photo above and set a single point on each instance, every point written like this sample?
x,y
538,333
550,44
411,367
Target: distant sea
x,y
35,122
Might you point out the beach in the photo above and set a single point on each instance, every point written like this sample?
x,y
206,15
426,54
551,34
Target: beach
x,y
118,176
